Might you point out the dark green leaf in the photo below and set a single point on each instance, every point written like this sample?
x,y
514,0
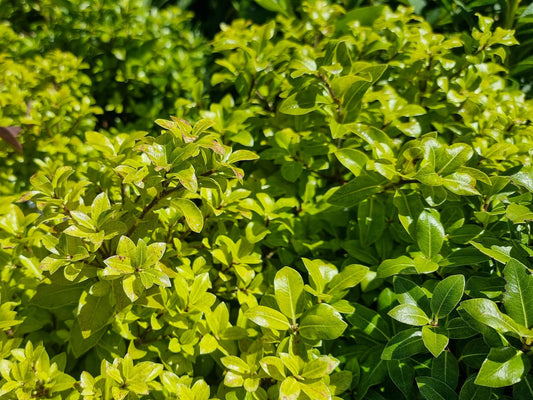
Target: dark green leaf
x,y
434,389
404,345
447,295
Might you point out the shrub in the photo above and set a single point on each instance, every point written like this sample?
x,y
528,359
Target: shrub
x,y
141,59
351,219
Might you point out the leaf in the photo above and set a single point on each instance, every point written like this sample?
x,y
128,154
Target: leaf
x,y
187,177
289,389
241,155
154,253
193,215
357,190
274,367
352,159
454,157
465,233
80,344
289,292
447,295
518,296
523,390
429,234
503,367
316,390
370,323
94,313
402,264
446,369
291,170
403,345
51,296
435,339
518,213
409,292
117,266
434,389
127,248
487,312
354,95
319,367
268,318
471,391
100,204
321,322
349,277
371,220
235,364
402,374
409,314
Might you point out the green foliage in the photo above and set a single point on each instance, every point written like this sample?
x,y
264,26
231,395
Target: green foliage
x,y
141,60
344,213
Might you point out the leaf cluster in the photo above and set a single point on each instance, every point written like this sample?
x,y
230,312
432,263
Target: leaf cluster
x,y
345,213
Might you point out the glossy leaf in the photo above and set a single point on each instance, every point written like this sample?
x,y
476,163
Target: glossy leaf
x,y
321,322
447,295
289,292
502,367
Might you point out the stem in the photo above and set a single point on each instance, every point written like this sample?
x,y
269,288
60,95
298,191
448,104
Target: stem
x,y
149,207
334,97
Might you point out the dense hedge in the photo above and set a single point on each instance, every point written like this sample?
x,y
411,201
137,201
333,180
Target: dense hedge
x,y
339,208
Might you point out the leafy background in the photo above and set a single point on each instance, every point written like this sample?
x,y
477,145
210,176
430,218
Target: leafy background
x,y
339,207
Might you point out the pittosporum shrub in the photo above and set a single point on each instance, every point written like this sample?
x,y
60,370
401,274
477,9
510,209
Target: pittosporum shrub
x,y
142,60
348,217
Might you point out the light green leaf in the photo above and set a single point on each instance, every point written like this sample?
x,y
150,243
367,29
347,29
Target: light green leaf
x,y
349,277
435,339
117,266
429,234
518,213
352,159
319,367
321,322
518,296
154,253
241,155
289,292
503,367
409,314
193,215
274,367
127,248
487,312
235,364
454,157
316,390
402,264
289,389
268,318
